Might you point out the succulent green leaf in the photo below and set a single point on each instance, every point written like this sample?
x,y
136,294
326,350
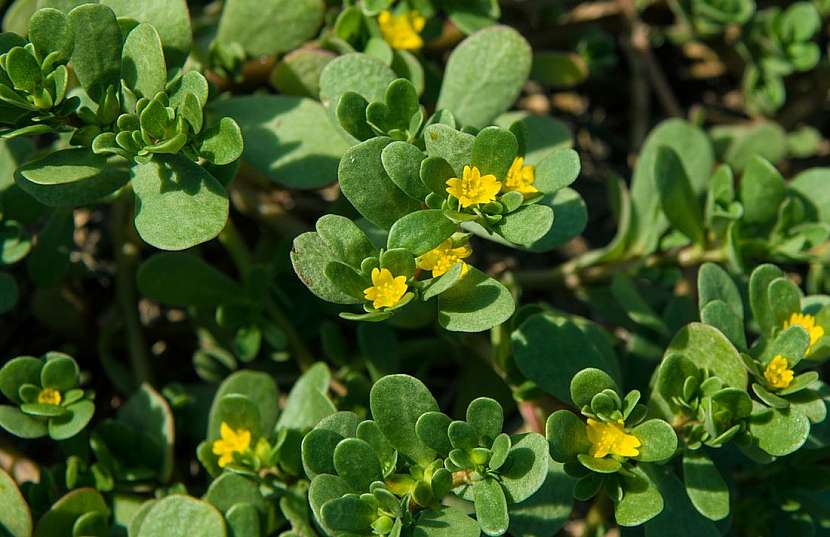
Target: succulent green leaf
x,y
15,518
641,501
432,430
170,18
173,184
61,517
761,190
309,146
367,186
484,75
707,348
142,64
179,516
96,56
552,369
695,152
222,143
706,488
267,28
356,462
526,467
421,231
677,198
476,303
71,177
402,161
397,402
491,507
658,440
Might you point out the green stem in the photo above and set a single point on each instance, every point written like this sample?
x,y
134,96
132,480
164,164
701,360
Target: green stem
x,y
298,348
242,258
236,247
126,260
579,271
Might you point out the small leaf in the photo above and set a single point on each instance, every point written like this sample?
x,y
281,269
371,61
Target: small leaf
x,y
142,64
677,198
421,231
491,507
222,143
706,488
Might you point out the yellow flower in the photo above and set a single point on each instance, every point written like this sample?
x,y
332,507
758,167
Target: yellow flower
x,y
402,31
778,372
520,178
473,187
232,441
387,290
49,396
443,257
808,323
610,437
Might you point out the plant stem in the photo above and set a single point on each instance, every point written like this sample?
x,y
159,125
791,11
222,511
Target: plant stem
x,y
126,260
236,247
298,348
233,243
579,271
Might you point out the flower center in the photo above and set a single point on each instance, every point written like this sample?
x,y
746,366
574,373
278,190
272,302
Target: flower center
x,y
387,290
473,188
231,441
49,396
611,438
778,372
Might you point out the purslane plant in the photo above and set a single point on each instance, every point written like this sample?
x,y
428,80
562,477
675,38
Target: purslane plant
x,y
135,117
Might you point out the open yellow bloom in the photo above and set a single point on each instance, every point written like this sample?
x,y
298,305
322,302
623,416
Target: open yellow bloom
x,y
387,290
444,257
778,372
808,323
520,178
473,187
231,441
402,31
49,396
610,437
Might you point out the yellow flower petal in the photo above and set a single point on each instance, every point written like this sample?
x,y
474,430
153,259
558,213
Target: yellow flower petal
x,y
520,178
49,396
387,290
443,257
231,441
610,438
808,323
778,372
473,188
402,31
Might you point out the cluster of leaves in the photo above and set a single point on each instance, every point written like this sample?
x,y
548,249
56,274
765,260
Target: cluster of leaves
x,y
660,411
773,42
404,162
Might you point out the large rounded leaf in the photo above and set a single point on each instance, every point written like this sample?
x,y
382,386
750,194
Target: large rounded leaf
x,y
15,517
72,177
289,139
476,303
365,183
397,401
484,75
182,516
178,203
709,349
183,279
268,27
